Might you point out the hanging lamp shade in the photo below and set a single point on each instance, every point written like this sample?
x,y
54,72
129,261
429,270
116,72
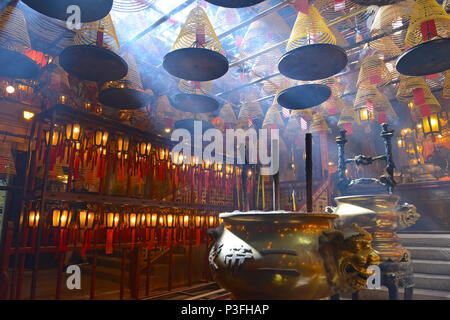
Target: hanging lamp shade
x,y
234,3
318,124
131,5
415,90
228,116
373,71
128,92
428,36
91,10
14,43
446,90
194,97
312,50
273,118
386,19
196,53
249,112
347,118
94,56
304,96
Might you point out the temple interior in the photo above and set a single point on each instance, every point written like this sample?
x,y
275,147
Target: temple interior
x,y
224,149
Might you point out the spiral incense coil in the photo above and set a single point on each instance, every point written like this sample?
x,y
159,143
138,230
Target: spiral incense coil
x,y
347,116
89,34
197,23
13,30
334,85
435,82
227,114
195,87
273,117
309,29
262,32
265,64
250,109
367,94
416,92
332,106
131,5
318,123
302,113
423,12
388,18
373,71
446,90
132,80
164,110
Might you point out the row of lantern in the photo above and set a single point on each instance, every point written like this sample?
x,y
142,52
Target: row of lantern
x,y
62,218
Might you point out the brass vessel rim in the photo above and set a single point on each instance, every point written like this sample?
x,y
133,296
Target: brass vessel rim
x,y
284,215
369,197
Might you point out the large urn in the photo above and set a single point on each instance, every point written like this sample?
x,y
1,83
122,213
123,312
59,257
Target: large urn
x,y
288,255
381,216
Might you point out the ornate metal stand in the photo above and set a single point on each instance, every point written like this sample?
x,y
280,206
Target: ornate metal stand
x,y
394,274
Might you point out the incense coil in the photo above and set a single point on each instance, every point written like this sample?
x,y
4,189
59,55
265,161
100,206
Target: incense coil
x,y
318,123
386,19
164,110
226,17
131,5
406,93
13,30
250,109
262,31
292,126
367,94
88,34
309,29
132,80
266,64
273,117
334,85
227,114
334,103
348,115
305,114
446,90
373,71
195,87
436,83
197,23
425,10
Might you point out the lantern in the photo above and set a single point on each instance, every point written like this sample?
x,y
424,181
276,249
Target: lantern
x,y
431,125
73,132
199,221
86,219
162,154
101,138
55,139
401,142
184,221
133,220
170,221
33,219
151,220
123,144
195,162
61,218
144,148
141,220
206,164
211,221
112,220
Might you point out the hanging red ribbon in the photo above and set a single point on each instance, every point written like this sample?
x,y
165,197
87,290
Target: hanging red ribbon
x,y
302,6
382,116
348,127
133,233
169,238
161,240
99,41
109,241
184,238
419,96
428,30
87,234
152,240
425,110
62,241
198,237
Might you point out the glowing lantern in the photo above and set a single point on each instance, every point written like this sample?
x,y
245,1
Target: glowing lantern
x,y
61,218
101,138
144,148
112,220
73,132
55,138
33,219
86,219
184,221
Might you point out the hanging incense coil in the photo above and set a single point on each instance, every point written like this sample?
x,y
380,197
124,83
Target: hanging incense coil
x,y
91,10
312,53
446,90
234,3
428,33
131,5
262,33
292,126
373,71
227,115
94,56
126,93
347,118
226,18
366,94
332,106
195,87
249,112
196,53
304,96
332,82
14,43
318,124
386,19
376,2
264,65
273,118
194,98
415,91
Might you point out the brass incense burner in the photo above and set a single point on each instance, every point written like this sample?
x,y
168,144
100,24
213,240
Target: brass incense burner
x,y
288,255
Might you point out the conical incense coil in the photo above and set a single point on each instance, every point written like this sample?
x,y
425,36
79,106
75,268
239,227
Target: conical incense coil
x,y
262,31
198,32
332,106
347,118
195,87
266,64
273,118
165,111
318,124
386,19
227,114
332,10
275,85
101,33
250,110
309,29
435,81
446,90
428,20
366,96
305,114
132,80
373,71
293,126
131,5
13,30
334,85
416,92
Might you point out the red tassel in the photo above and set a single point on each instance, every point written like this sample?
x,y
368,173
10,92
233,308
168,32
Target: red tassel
x,y
133,233
61,240
184,238
86,242
109,241
152,239
161,241
33,240
169,238
198,237
175,240
76,168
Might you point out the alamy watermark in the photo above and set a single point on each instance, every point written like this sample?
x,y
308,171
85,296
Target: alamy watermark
x,y
251,146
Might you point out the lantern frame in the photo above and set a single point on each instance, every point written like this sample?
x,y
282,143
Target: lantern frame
x,y
162,154
33,218
151,220
86,219
170,220
199,221
144,148
430,128
61,218
58,137
123,144
101,138
74,132
112,220
184,221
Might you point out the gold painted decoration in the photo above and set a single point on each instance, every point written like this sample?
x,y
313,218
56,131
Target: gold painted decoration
x,y
373,71
428,21
309,29
197,31
101,33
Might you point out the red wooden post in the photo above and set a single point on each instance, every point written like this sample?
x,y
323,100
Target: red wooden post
x,y
122,274
169,280
190,258
4,281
